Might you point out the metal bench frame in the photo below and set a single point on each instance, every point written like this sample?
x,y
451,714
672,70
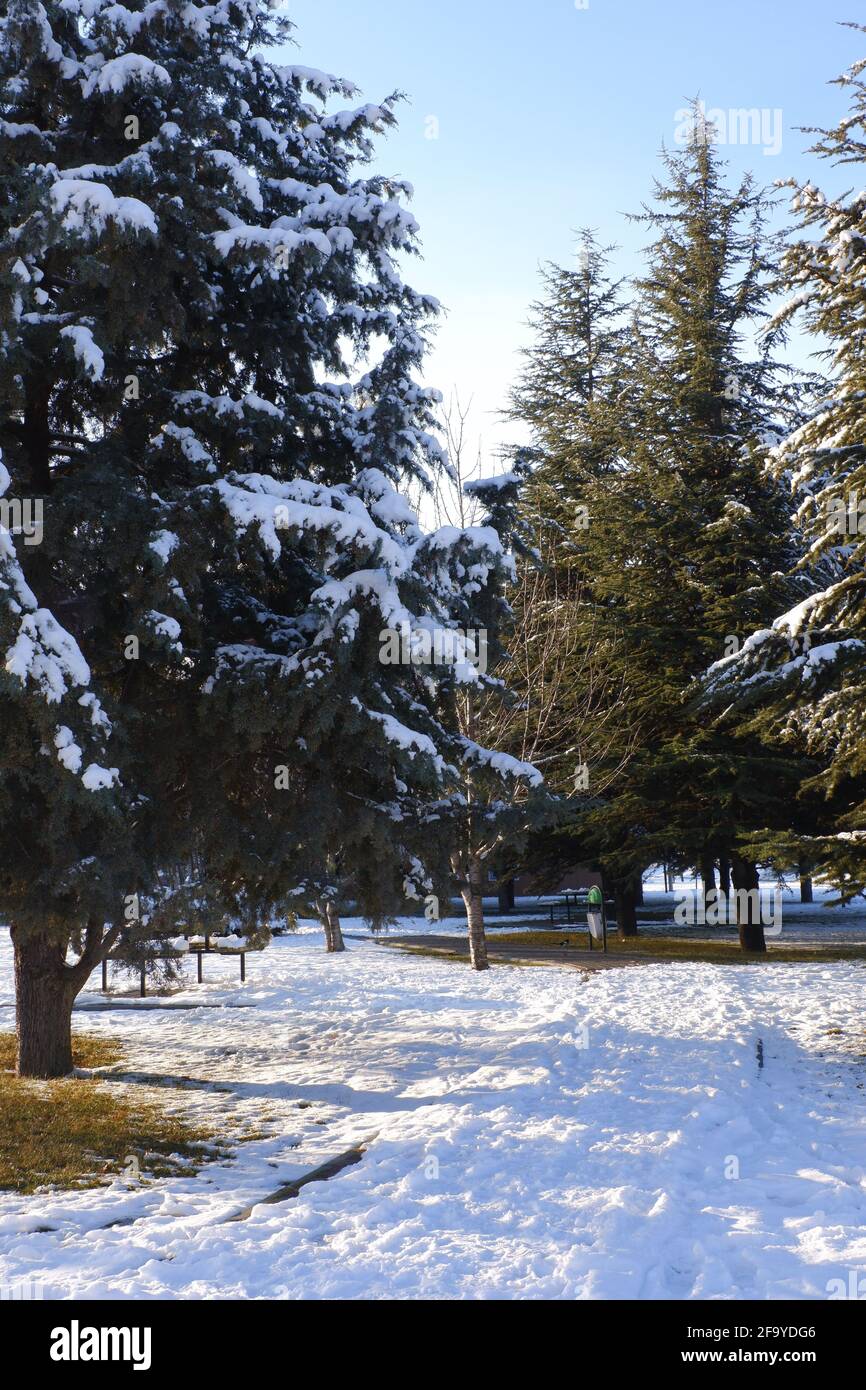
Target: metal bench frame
x,y
572,901
198,951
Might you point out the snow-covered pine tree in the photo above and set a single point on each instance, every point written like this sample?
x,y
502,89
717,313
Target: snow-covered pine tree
x,y
801,679
419,634
192,696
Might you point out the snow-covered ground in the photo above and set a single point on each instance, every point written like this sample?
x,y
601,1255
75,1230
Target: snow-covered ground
x,y
534,1133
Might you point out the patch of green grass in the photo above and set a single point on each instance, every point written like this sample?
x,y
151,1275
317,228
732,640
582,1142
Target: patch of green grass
x,y
459,951
74,1132
653,948
680,948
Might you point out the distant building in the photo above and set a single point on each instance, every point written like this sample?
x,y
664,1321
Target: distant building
x,y
527,886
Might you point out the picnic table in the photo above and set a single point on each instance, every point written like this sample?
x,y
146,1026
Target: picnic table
x,y
575,907
196,946
563,907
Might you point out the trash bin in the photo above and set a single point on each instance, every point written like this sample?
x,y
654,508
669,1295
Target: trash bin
x,y
595,907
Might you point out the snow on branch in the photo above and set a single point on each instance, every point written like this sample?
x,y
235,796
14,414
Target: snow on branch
x,y
507,767
46,658
86,206
256,500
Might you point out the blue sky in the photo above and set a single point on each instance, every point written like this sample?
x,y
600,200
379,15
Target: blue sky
x,y
547,117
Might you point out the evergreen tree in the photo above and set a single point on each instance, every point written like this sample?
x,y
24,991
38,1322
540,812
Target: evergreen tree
x,y
193,277
577,369
687,541
576,391
800,679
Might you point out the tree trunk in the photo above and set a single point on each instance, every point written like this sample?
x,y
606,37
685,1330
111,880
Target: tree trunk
x,y
473,898
44,994
724,875
708,876
624,897
36,435
506,896
751,929
806,895
638,888
333,931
